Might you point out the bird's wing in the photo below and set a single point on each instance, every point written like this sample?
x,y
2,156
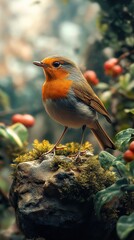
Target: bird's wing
x,y
85,93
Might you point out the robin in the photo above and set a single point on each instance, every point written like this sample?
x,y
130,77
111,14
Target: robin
x,y
69,99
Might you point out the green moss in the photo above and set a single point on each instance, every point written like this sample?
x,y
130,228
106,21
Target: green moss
x,y
93,176
63,163
88,177
39,148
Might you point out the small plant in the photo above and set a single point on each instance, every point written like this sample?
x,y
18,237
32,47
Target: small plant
x,y
123,188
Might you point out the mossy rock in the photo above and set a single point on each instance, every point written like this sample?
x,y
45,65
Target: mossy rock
x,y
53,194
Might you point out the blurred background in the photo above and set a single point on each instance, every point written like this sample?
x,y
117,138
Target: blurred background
x,y
32,30
88,32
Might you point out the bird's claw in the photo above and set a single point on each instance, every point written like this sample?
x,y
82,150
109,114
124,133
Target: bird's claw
x,y
53,151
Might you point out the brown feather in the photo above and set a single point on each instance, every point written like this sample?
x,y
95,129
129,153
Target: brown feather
x,y
103,139
85,93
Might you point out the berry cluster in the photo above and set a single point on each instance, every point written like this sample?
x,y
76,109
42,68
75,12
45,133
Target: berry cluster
x,y
129,154
112,67
26,119
91,77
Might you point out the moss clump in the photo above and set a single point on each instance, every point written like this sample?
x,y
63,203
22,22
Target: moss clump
x,y
35,153
39,148
93,177
89,178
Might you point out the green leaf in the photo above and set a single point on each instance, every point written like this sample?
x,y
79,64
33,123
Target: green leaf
x,y
106,159
124,80
20,130
120,168
3,133
114,192
131,69
13,138
17,134
129,110
123,138
102,86
125,226
106,95
130,87
4,100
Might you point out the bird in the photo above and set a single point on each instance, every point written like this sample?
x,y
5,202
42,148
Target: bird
x,y
69,100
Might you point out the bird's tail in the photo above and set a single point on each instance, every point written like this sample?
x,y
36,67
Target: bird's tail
x,y
102,137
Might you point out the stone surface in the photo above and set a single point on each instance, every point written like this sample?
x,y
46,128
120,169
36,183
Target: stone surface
x,y
50,203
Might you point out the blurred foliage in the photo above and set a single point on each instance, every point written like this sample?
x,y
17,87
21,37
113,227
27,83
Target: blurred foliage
x,y
13,141
118,95
4,100
125,226
123,188
14,100
116,23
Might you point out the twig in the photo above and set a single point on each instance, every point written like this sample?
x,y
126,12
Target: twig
x,y
124,55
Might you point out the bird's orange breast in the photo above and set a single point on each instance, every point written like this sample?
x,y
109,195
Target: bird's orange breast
x,y
56,89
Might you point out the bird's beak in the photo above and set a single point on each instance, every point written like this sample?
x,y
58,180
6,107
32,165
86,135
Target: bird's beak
x,y
39,64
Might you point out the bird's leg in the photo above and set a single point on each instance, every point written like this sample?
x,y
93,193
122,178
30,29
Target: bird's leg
x,y
82,138
58,141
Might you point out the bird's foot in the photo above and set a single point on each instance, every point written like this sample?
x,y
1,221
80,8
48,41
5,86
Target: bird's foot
x,y
82,153
74,156
52,150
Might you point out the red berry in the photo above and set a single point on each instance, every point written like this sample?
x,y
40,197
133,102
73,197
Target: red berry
x,y
26,119
89,74
108,65
96,81
91,77
108,72
16,118
116,70
128,156
131,146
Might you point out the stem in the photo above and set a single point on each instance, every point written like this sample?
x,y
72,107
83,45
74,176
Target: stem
x,y
124,55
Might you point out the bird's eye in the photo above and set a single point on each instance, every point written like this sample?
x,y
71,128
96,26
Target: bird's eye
x,y
56,64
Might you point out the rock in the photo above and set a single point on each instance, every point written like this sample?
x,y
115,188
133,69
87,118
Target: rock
x,y
51,201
